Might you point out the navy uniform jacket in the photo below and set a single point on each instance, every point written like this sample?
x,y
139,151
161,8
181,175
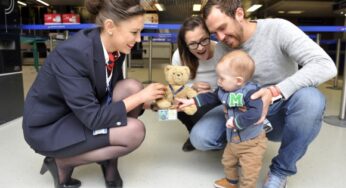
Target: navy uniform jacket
x,y
68,93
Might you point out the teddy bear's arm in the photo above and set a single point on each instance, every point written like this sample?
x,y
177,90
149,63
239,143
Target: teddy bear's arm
x,y
191,93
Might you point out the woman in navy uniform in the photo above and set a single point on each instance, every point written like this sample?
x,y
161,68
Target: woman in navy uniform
x,y
80,109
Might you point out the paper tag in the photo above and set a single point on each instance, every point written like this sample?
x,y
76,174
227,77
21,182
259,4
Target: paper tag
x,y
100,131
167,115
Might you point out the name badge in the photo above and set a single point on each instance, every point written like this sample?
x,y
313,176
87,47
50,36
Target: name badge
x,y
100,131
167,115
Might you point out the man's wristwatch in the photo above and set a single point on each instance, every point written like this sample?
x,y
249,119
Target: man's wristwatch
x,y
275,93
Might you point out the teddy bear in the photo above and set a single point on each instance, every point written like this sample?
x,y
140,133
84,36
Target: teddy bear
x,y
177,77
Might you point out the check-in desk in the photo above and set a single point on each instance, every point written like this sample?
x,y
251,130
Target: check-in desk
x,y
11,79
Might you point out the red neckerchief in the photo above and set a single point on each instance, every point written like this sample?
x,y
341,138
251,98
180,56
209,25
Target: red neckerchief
x,y
112,58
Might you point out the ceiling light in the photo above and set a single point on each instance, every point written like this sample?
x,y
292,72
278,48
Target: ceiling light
x,y
295,12
254,7
281,12
196,7
159,7
21,3
42,2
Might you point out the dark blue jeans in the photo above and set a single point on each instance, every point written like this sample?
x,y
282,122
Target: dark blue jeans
x,y
296,122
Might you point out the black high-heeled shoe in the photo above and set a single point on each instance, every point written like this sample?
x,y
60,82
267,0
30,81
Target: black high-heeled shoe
x,y
117,182
49,164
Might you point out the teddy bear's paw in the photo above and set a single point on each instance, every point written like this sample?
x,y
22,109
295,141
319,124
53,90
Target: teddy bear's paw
x,y
163,104
190,110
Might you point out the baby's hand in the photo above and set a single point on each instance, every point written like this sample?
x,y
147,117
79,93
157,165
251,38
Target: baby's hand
x,y
182,103
229,123
174,106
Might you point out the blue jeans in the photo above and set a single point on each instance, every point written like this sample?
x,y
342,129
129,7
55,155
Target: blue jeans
x,y
209,133
296,122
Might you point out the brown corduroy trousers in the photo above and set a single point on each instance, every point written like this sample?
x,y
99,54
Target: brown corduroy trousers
x,y
248,157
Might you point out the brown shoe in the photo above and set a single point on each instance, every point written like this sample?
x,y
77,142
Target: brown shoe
x,y
224,183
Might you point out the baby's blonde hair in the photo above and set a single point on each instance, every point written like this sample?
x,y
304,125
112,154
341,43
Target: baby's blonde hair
x,y
239,63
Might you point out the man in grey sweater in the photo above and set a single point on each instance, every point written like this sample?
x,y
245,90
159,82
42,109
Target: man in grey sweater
x,y
277,47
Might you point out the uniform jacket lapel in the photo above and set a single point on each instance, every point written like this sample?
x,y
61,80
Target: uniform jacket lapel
x,y
99,64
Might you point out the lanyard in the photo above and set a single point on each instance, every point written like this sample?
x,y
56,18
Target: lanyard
x,y
108,78
175,92
108,85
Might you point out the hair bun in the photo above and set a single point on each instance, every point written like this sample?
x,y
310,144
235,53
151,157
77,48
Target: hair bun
x,y
93,6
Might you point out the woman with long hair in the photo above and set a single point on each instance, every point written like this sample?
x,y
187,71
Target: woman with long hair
x,y
201,54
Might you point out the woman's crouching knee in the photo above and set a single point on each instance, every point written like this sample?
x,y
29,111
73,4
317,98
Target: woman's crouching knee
x,y
132,86
130,136
125,88
205,143
136,132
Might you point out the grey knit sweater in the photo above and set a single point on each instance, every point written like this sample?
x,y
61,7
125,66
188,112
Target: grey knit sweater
x,y
278,47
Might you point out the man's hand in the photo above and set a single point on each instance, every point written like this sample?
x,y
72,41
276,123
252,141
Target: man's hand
x,y
266,97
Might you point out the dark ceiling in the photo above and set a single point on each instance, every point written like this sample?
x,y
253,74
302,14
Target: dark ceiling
x,y
177,10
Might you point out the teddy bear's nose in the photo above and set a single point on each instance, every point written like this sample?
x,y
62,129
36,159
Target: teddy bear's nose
x,y
178,74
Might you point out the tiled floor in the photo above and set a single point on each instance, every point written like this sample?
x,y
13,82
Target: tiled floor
x,y
160,162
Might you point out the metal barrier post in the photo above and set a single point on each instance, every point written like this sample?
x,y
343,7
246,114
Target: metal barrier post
x,y
318,38
150,61
36,56
129,60
50,43
340,120
343,99
66,34
170,52
337,63
124,67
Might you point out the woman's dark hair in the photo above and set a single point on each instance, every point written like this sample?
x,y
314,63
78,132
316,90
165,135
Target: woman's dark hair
x,y
116,10
186,57
228,7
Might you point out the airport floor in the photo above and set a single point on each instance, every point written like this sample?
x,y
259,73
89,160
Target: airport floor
x,y
160,162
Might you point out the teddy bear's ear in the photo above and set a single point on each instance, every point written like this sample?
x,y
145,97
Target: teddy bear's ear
x,y
168,67
187,70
